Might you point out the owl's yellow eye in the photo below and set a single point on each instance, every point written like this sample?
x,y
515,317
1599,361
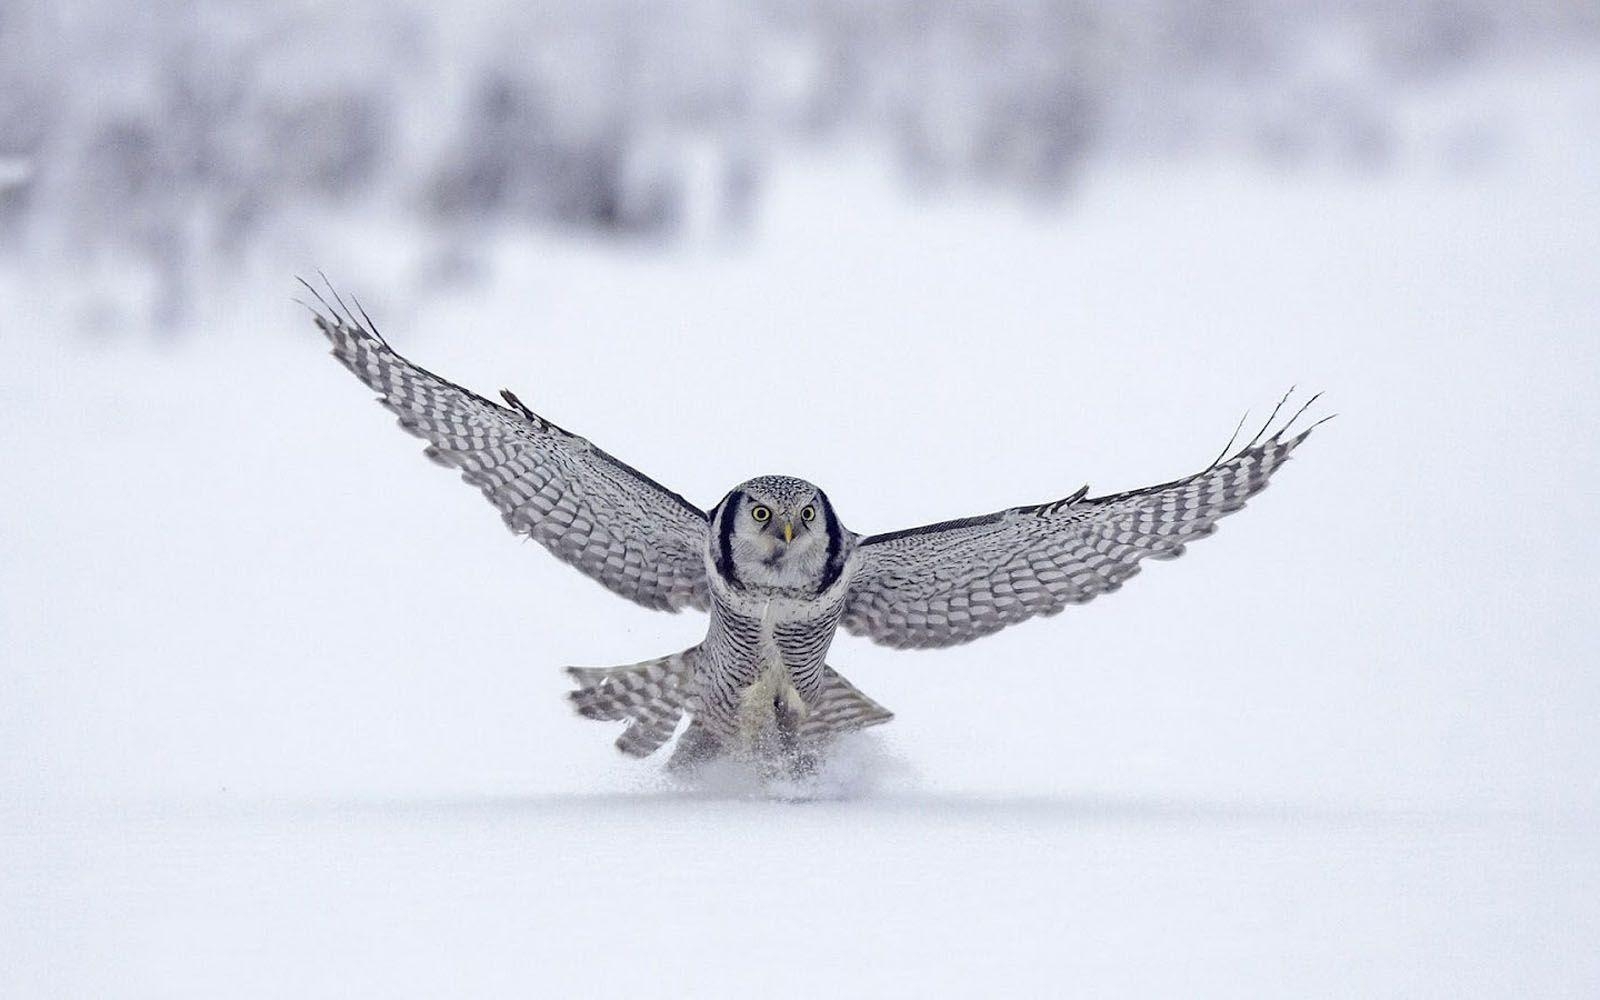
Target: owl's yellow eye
x,y
808,513
761,514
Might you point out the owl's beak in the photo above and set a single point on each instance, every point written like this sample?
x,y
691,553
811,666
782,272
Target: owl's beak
x,y
788,532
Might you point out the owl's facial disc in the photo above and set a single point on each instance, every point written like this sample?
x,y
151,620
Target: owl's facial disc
x,y
784,533
775,534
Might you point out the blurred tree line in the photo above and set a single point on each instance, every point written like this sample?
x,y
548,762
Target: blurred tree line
x,y
179,135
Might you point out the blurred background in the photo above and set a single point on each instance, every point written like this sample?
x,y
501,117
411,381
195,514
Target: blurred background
x,y
168,149
279,701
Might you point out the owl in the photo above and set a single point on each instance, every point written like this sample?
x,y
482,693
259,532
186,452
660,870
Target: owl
x,y
774,566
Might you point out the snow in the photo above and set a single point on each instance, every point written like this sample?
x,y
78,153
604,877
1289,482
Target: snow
x,y
280,706
612,893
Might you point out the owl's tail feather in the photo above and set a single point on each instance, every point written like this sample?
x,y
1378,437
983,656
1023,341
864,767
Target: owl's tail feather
x,y
841,708
656,694
652,695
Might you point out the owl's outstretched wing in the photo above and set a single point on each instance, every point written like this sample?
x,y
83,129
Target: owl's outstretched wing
x,y
617,525
950,583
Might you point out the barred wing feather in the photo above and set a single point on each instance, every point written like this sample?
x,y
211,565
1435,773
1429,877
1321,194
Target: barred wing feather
x,y
615,524
950,583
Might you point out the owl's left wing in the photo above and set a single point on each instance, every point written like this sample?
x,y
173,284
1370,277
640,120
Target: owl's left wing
x,y
615,524
950,583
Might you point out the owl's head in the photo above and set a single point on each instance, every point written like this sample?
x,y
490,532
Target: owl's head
x,y
780,532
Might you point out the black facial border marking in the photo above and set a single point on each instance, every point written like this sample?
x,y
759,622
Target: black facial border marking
x,y
725,513
835,563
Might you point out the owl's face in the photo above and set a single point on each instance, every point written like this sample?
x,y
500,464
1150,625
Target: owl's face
x,y
776,531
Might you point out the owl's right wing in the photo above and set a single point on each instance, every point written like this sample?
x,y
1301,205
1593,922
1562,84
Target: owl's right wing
x,y
950,583
615,524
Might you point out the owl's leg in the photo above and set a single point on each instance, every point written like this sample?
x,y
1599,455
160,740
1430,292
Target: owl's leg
x,y
795,756
696,747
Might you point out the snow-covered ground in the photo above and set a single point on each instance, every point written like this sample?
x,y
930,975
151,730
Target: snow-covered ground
x,y
280,711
